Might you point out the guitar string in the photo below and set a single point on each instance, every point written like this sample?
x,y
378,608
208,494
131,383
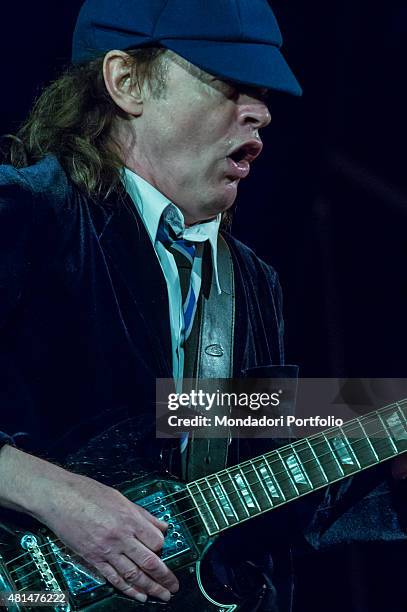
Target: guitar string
x,y
249,462
55,563
33,584
241,465
246,463
277,459
287,478
355,421
193,510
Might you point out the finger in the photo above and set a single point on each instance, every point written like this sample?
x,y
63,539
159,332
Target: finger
x,y
161,525
133,575
119,583
152,565
148,534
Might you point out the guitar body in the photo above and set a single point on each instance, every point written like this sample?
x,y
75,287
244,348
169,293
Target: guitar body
x,y
125,456
32,559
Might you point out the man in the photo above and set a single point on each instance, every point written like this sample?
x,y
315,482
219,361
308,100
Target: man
x,y
152,129
86,340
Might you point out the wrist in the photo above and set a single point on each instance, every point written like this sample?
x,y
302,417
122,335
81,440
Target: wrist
x,y
26,481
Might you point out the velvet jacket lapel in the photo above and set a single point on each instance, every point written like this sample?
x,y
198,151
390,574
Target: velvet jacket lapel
x,y
128,248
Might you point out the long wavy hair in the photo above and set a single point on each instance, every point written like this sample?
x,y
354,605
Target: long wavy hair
x,y
73,118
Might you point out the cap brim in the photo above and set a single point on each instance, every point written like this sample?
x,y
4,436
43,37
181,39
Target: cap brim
x,y
255,64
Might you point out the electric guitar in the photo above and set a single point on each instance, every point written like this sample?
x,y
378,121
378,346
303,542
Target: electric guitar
x,y
34,561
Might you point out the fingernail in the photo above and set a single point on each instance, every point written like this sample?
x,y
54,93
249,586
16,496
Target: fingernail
x,y
165,596
140,597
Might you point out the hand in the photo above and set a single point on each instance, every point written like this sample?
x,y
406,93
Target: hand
x,y
117,537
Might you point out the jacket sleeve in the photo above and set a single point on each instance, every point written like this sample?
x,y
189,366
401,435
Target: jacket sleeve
x,y
367,507
17,236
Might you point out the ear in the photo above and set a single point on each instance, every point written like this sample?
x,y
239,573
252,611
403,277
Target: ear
x,y
117,76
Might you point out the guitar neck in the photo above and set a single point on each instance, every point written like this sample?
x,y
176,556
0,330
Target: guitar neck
x,y
238,493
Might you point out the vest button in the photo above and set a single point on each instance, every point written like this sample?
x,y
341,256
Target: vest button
x,y
216,350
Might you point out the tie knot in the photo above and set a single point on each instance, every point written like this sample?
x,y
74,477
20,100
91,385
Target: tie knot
x,y
166,235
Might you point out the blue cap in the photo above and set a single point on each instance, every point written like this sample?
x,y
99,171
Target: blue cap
x,y
233,39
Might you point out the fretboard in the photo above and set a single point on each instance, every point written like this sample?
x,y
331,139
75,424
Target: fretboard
x,y
238,493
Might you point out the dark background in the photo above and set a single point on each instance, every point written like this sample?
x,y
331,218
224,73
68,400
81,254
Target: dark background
x,y
326,204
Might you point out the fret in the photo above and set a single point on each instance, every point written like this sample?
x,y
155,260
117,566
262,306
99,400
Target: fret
x,y
271,483
224,500
242,492
239,503
378,436
204,510
215,506
400,409
342,452
296,469
274,479
282,476
310,463
349,446
396,428
325,457
395,425
247,501
359,444
376,456
302,468
256,486
389,436
247,491
218,509
313,460
239,494
262,477
403,420
290,477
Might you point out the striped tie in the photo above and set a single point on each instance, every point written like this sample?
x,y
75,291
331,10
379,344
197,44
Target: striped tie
x,y
184,253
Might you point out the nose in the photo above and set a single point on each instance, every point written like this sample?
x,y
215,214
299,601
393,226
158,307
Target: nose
x,y
255,112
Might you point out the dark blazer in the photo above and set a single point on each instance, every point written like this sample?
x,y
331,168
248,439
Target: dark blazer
x,y
84,323
84,332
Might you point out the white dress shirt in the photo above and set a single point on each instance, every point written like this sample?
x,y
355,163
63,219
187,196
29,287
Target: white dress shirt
x,y
151,205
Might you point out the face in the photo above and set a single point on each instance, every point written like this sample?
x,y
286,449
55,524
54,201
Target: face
x,y
197,141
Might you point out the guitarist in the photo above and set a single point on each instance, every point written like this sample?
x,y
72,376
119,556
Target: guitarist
x,y
151,129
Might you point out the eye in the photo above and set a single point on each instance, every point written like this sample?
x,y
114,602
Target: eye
x,y
261,93
235,89
230,89
265,95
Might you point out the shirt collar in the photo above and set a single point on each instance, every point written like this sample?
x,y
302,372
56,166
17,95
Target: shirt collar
x,y
151,204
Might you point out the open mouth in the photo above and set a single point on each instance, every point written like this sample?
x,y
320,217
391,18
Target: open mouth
x,y
247,151
239,155
240,158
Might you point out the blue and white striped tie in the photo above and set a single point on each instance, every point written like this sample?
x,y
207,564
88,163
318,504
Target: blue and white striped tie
x,y
188,250
184,252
